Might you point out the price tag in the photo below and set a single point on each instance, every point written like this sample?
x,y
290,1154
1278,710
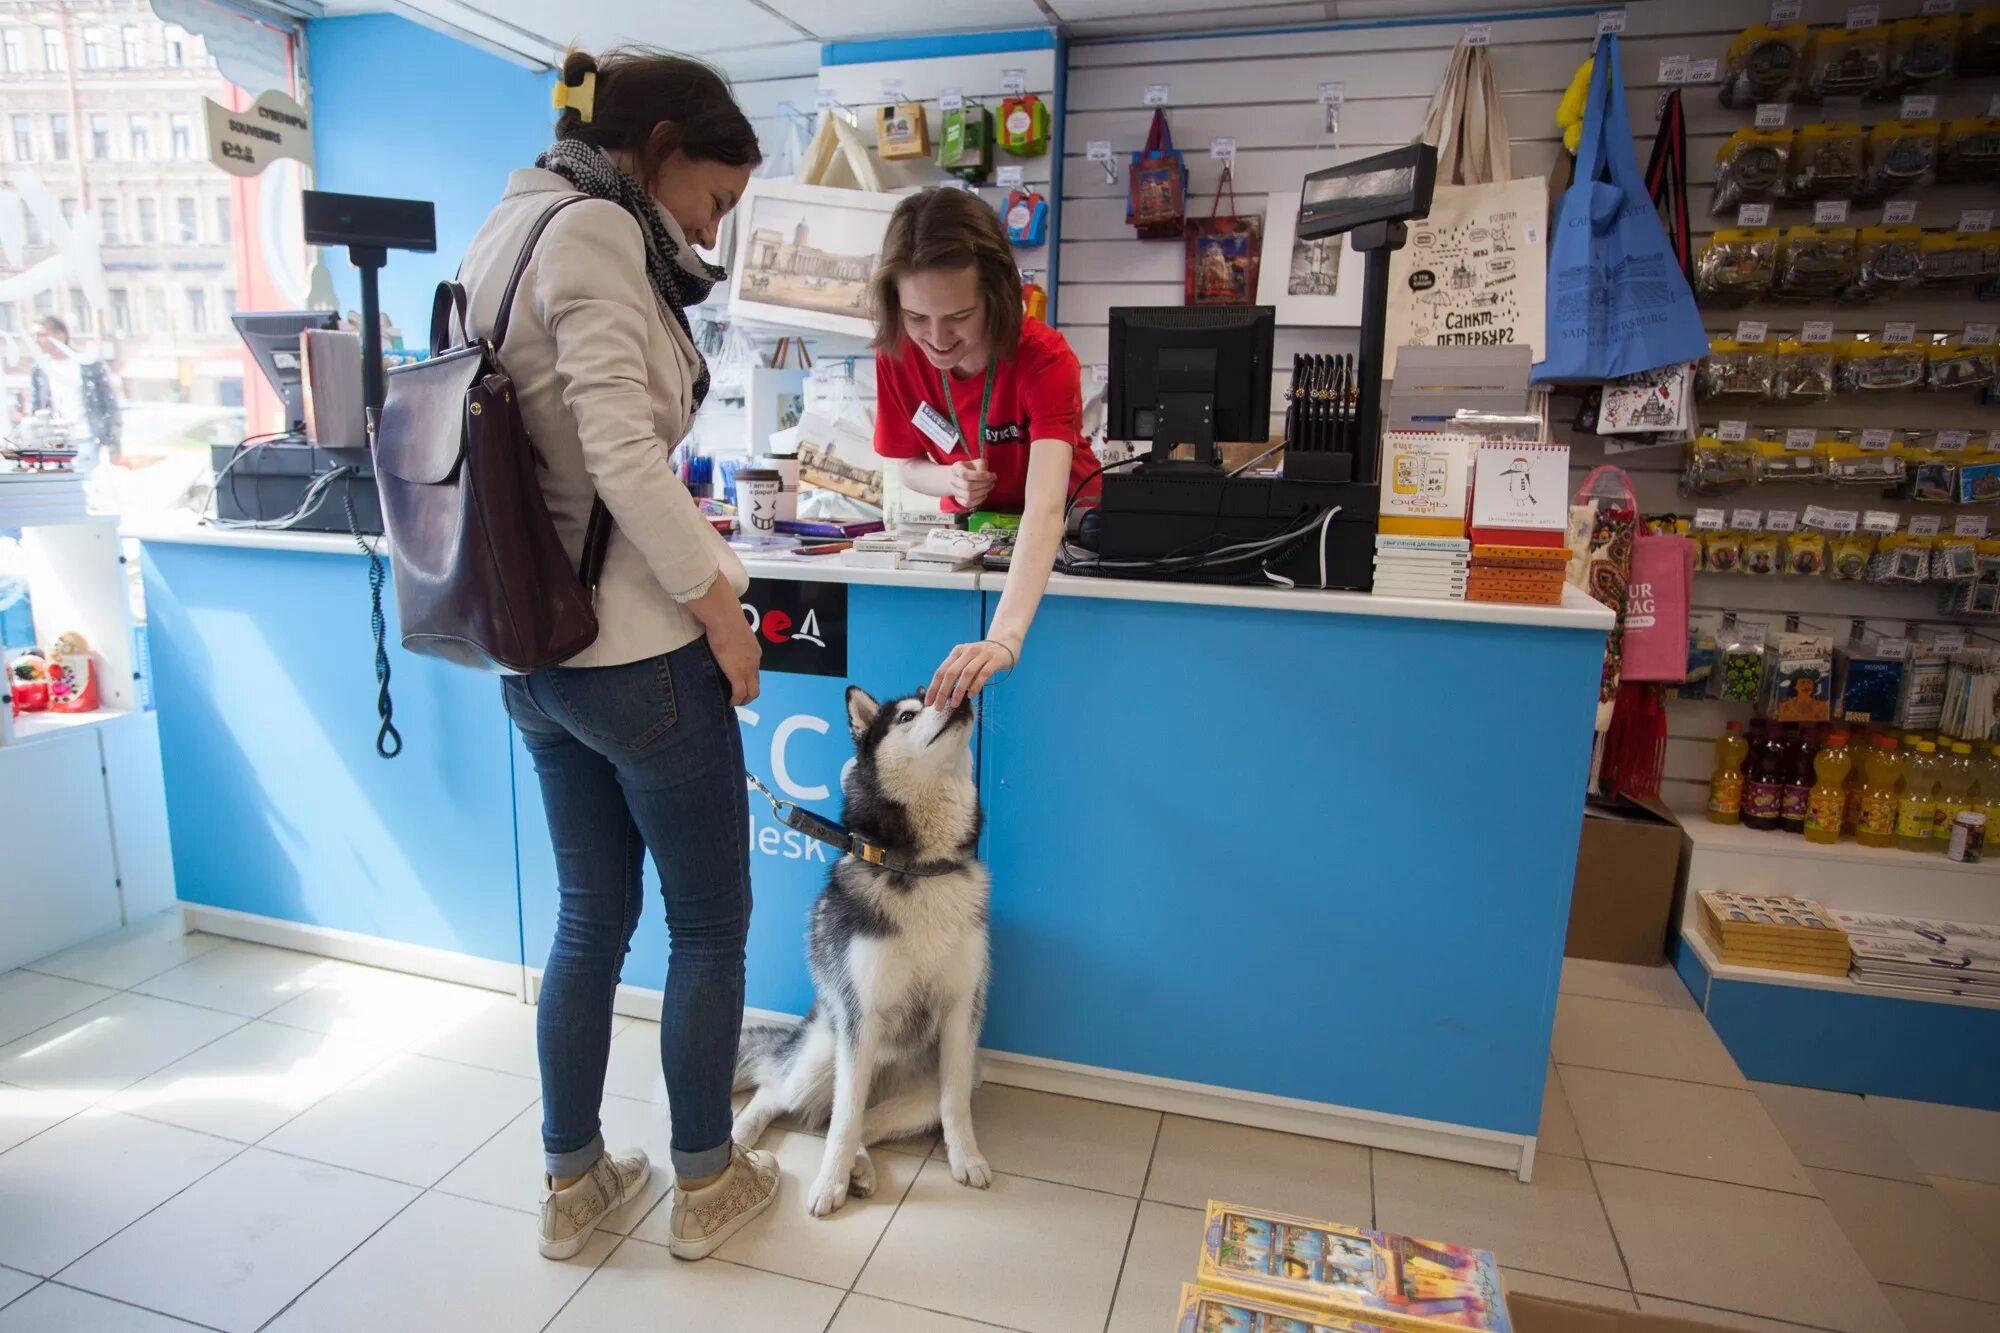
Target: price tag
x,y
1746,520
1953,441
1673,69
1771,115
1732,430
1979,335
1031,275
1098,150
1610,20
1156,94
1876,439
1829,212
1013,82
1800,438
1900,332
959,183
892,90
1952,640
1969,525
951,99
1782,520
1882,522
1863,16
1899,212
1704,71
1100,374
1752,633
1895,649
1753,215
1333,94
1932,7
1844,520
1976,219
823,99
1751,330
1479,34
1817,331
1820,517
1222,150
1710,520
1008,178
1926,525
1786,11
1919,106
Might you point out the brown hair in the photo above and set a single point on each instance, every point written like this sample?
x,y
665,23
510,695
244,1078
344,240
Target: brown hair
x,y
948,229
651,103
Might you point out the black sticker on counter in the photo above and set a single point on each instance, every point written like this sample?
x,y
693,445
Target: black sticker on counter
x,y
802,627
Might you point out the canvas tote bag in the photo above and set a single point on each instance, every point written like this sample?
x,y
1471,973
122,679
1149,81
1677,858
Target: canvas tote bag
x,y
1474,272
1223,252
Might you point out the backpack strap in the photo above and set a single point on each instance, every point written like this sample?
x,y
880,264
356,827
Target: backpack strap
x,y
506,314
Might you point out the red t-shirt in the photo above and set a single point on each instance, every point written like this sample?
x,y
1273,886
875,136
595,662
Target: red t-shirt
x,y
1037,395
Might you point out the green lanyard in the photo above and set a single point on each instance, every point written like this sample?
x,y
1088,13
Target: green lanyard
x,y
985,401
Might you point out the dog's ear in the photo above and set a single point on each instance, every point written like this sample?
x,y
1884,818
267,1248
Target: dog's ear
x,y
861,710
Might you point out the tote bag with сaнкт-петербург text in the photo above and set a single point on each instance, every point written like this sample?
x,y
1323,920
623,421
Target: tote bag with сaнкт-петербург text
x,y
1618,300
1472,273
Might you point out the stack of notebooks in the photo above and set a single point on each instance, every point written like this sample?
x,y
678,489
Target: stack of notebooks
x,y
1917,954
1773,931
1433,567
1267,1273
1523,574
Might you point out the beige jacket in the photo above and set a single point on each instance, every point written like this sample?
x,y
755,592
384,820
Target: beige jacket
x,y
605,380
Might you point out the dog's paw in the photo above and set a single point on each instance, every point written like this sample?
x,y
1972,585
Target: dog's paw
x,y
748,1129
861,1181
970,1169
828,1194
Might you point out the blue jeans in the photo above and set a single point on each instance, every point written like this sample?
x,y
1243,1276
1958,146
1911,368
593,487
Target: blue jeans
x,y
637,758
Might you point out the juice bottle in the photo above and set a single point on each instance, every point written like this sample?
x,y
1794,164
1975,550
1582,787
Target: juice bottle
x,y
1917,806
1877,824
1764,782
1859,745
1828,798
1725,785
1799,776
1954,792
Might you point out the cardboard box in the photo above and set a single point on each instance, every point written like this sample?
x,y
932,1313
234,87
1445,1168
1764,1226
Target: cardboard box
x,y
1631,864
1539,1314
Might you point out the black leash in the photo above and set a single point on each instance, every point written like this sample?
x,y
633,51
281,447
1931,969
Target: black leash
x,y
840,837
388,741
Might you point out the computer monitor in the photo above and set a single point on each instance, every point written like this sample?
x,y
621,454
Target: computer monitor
x,y
1191,375
273,339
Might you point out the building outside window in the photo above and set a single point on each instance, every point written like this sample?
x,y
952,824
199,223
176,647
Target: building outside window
x,y
59,138
55,59
228,300
10,317
80,322
121,313
180,135
100,136
149,222
93,48
31,226
187,230
109,224
24,139
224,229
10,51
131,46
156,313
197,307
142,138
69,211
176,50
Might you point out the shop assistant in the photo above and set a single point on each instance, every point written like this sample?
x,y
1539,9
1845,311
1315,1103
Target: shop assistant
x,y
982,404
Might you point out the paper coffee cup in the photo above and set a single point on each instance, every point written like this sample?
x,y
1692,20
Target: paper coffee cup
x,y
759,494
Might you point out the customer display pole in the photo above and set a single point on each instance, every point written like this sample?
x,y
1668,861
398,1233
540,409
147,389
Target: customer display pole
x,y
370,259
1375,241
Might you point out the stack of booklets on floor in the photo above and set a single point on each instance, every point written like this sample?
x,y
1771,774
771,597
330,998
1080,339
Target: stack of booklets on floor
x,y
1523,574
1433,567
1910,953
1266,1271
1773,931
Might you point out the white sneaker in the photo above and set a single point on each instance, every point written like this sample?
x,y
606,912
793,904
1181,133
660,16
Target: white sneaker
x,y
569,1216
700,1221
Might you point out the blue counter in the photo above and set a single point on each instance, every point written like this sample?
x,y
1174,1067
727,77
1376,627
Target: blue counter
x,y
1293,859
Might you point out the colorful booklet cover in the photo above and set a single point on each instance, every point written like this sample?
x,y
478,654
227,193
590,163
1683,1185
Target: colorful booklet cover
x,y
1520,494
1424,483
1399,1283
1205,1311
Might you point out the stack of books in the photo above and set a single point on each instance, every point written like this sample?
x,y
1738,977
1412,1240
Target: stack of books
x,y
1263,1270
1433,567
1522,574
1918,954
1773,931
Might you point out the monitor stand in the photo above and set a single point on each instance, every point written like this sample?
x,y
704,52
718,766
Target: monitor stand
x,y
1186,411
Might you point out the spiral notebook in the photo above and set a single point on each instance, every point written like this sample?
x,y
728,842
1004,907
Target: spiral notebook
x,y
1520,494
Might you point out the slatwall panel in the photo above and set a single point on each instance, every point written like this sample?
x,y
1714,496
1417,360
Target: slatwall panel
x,y
1262,90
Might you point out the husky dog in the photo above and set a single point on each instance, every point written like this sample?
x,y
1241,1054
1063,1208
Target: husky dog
x,y
898,961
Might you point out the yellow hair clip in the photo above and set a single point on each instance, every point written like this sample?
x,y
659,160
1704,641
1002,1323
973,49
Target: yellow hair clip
x,y
582,97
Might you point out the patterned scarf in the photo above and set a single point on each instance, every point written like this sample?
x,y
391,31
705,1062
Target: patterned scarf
x,y
680,279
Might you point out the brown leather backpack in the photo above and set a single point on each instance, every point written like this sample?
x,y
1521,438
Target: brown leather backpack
x,y
481,576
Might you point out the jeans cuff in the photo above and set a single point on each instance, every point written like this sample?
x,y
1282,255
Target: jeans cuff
x,y
707,1162
561,1164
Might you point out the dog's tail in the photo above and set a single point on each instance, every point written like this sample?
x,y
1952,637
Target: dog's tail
x,y
763,1052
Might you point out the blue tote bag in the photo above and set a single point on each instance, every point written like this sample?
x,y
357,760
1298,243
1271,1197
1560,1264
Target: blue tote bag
x,y
1618,300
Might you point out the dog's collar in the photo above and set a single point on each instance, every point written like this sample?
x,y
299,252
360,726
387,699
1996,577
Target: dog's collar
x,y
838,836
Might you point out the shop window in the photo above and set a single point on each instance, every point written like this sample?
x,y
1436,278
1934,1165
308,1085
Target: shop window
x,y
180,134
55,59
133,49
24,139
142,139
10,51
100,136
186,229
93,48
59,138
110,229
149,222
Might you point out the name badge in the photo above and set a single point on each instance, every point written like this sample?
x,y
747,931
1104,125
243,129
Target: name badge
x,y
933,424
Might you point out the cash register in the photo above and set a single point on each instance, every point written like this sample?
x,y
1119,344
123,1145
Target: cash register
x,y
1193,376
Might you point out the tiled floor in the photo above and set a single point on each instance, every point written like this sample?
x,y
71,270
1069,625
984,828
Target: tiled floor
x,y
205,1134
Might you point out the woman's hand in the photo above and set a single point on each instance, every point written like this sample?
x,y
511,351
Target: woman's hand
x,y
968,668
736,650
971,483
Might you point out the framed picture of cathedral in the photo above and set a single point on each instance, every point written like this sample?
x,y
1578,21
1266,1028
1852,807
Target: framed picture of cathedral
x,y
804,254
